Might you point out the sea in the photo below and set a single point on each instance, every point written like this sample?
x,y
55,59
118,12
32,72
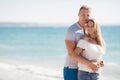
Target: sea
x,y
41,51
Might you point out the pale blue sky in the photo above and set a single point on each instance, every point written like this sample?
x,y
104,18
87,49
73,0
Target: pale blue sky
x,y
58,11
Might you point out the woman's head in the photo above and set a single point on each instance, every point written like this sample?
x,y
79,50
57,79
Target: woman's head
x,y
93,31
91,28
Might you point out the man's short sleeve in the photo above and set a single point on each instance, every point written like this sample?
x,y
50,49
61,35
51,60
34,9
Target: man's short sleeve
x,y
70,35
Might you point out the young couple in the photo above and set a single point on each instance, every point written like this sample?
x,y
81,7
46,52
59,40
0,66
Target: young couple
x,y
85,47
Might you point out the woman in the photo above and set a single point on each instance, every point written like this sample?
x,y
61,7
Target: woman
x,y
92,48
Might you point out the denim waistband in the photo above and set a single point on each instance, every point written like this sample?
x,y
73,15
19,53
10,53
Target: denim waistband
x,y
85,72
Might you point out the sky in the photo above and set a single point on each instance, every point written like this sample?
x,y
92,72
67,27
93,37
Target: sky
x,y
58,11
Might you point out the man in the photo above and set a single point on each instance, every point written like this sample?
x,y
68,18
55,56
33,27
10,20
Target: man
x,y
73,35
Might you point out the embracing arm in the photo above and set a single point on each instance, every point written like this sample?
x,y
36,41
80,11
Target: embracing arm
x,y
74,52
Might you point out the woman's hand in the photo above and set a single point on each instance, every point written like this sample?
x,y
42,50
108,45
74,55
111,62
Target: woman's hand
x,y
94,67
101,63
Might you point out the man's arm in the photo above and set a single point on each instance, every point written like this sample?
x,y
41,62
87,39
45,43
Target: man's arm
x,y
74,52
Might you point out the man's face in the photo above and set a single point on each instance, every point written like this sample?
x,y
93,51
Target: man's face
x,y
84,15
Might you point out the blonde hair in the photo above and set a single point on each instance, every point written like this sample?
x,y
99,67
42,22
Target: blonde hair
x,y
97,34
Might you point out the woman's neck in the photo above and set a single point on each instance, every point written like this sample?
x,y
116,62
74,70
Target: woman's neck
x,y
92,36
92,40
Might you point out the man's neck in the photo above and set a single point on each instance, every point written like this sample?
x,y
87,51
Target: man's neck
x,y
82,24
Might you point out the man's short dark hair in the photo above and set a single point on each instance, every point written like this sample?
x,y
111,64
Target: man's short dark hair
x,y
85,7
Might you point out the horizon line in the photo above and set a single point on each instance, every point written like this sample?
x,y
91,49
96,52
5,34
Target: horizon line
x,y
44,24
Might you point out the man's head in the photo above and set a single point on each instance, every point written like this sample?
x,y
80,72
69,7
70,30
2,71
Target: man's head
x,y
84,13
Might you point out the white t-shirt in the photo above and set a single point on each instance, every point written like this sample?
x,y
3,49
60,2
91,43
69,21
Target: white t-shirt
x,y
92,52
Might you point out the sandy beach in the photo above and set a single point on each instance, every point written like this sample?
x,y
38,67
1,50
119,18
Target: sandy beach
x,y
32,72
27,72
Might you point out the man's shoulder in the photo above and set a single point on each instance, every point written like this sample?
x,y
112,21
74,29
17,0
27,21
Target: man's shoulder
x,y
74,27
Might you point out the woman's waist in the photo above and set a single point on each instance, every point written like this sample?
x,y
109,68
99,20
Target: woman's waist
x,y
86,68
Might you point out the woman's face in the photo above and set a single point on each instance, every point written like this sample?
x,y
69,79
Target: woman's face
x,y
90,27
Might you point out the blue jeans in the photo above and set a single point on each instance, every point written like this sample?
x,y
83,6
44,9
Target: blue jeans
x,y
83,75
70,74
